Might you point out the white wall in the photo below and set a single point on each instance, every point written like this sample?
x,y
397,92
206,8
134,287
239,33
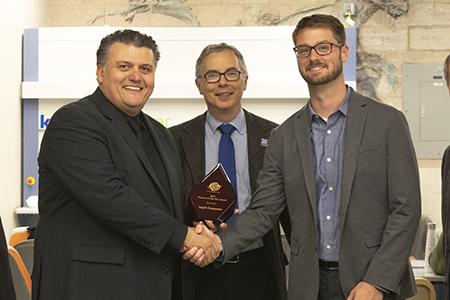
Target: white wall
x,y
17,14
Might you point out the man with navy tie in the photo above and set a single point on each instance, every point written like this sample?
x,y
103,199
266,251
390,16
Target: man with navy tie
x,y
228,134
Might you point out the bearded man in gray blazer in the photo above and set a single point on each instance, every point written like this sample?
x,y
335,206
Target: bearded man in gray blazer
x,y
258,272
345,167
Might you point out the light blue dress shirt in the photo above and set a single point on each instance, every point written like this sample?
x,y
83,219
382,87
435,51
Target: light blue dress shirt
x,y
327,138
239,137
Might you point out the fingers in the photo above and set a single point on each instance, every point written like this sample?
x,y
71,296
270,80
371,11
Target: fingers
x,y
351,296
218,249
201,245
210,224
195,256
216,241
210,255
198,258
365,291
212,242
199,228
188,254
195,223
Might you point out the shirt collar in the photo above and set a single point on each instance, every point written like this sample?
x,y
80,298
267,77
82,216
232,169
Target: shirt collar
x,y
238,122
342,108
127,117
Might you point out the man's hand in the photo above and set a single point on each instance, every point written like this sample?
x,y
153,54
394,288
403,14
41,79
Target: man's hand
x,y
365,291
203,246
210,224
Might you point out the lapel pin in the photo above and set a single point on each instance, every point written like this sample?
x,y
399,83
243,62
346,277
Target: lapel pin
x,y
264,142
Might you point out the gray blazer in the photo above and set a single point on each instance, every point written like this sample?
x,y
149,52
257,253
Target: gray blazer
x,y
379,207
190,141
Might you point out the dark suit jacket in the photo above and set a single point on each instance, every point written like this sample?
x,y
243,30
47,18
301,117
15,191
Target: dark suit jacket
x,y
6,285
190,140
379,206
107,229
445,169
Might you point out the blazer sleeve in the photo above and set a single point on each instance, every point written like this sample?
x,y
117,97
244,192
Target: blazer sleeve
x,y
267,204
76,154
389,263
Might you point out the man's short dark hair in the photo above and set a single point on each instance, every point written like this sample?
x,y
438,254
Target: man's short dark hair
x,y
446,63
322,21
220,48
128,37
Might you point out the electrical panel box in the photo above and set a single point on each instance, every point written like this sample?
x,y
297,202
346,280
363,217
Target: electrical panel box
x,y
426,104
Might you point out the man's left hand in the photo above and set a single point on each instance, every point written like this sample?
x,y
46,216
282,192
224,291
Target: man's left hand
x,y
365,291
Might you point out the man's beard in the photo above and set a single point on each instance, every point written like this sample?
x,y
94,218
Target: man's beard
x,y
324,79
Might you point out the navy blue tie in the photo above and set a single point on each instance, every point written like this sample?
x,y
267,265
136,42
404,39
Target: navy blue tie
x,y
226,152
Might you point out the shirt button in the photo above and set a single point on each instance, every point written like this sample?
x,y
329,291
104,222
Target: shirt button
x,y
328,159
328,218
328,247
330,188
329,131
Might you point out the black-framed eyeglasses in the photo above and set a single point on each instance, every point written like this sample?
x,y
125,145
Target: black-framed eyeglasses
x,y
321,49
231,74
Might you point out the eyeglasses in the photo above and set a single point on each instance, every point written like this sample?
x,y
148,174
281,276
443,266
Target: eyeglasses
x,y
321,49
214,76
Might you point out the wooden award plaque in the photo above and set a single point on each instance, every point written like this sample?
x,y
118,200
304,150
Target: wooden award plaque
x,y
214,198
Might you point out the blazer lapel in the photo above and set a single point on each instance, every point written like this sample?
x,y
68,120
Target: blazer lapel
x,y
194,148
255,155
303,137
125,131
167,163
119,123
356,117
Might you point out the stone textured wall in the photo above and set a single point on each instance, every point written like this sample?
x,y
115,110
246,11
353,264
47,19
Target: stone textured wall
x,y
390,32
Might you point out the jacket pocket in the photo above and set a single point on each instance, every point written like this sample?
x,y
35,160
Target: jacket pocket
x,y
373,239
96,254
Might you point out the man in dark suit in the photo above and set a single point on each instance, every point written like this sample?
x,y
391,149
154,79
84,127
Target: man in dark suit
x,y
445,172
345,167
110,189
6,285
258,272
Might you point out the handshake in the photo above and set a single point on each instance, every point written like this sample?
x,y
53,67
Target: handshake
x,y
201,246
